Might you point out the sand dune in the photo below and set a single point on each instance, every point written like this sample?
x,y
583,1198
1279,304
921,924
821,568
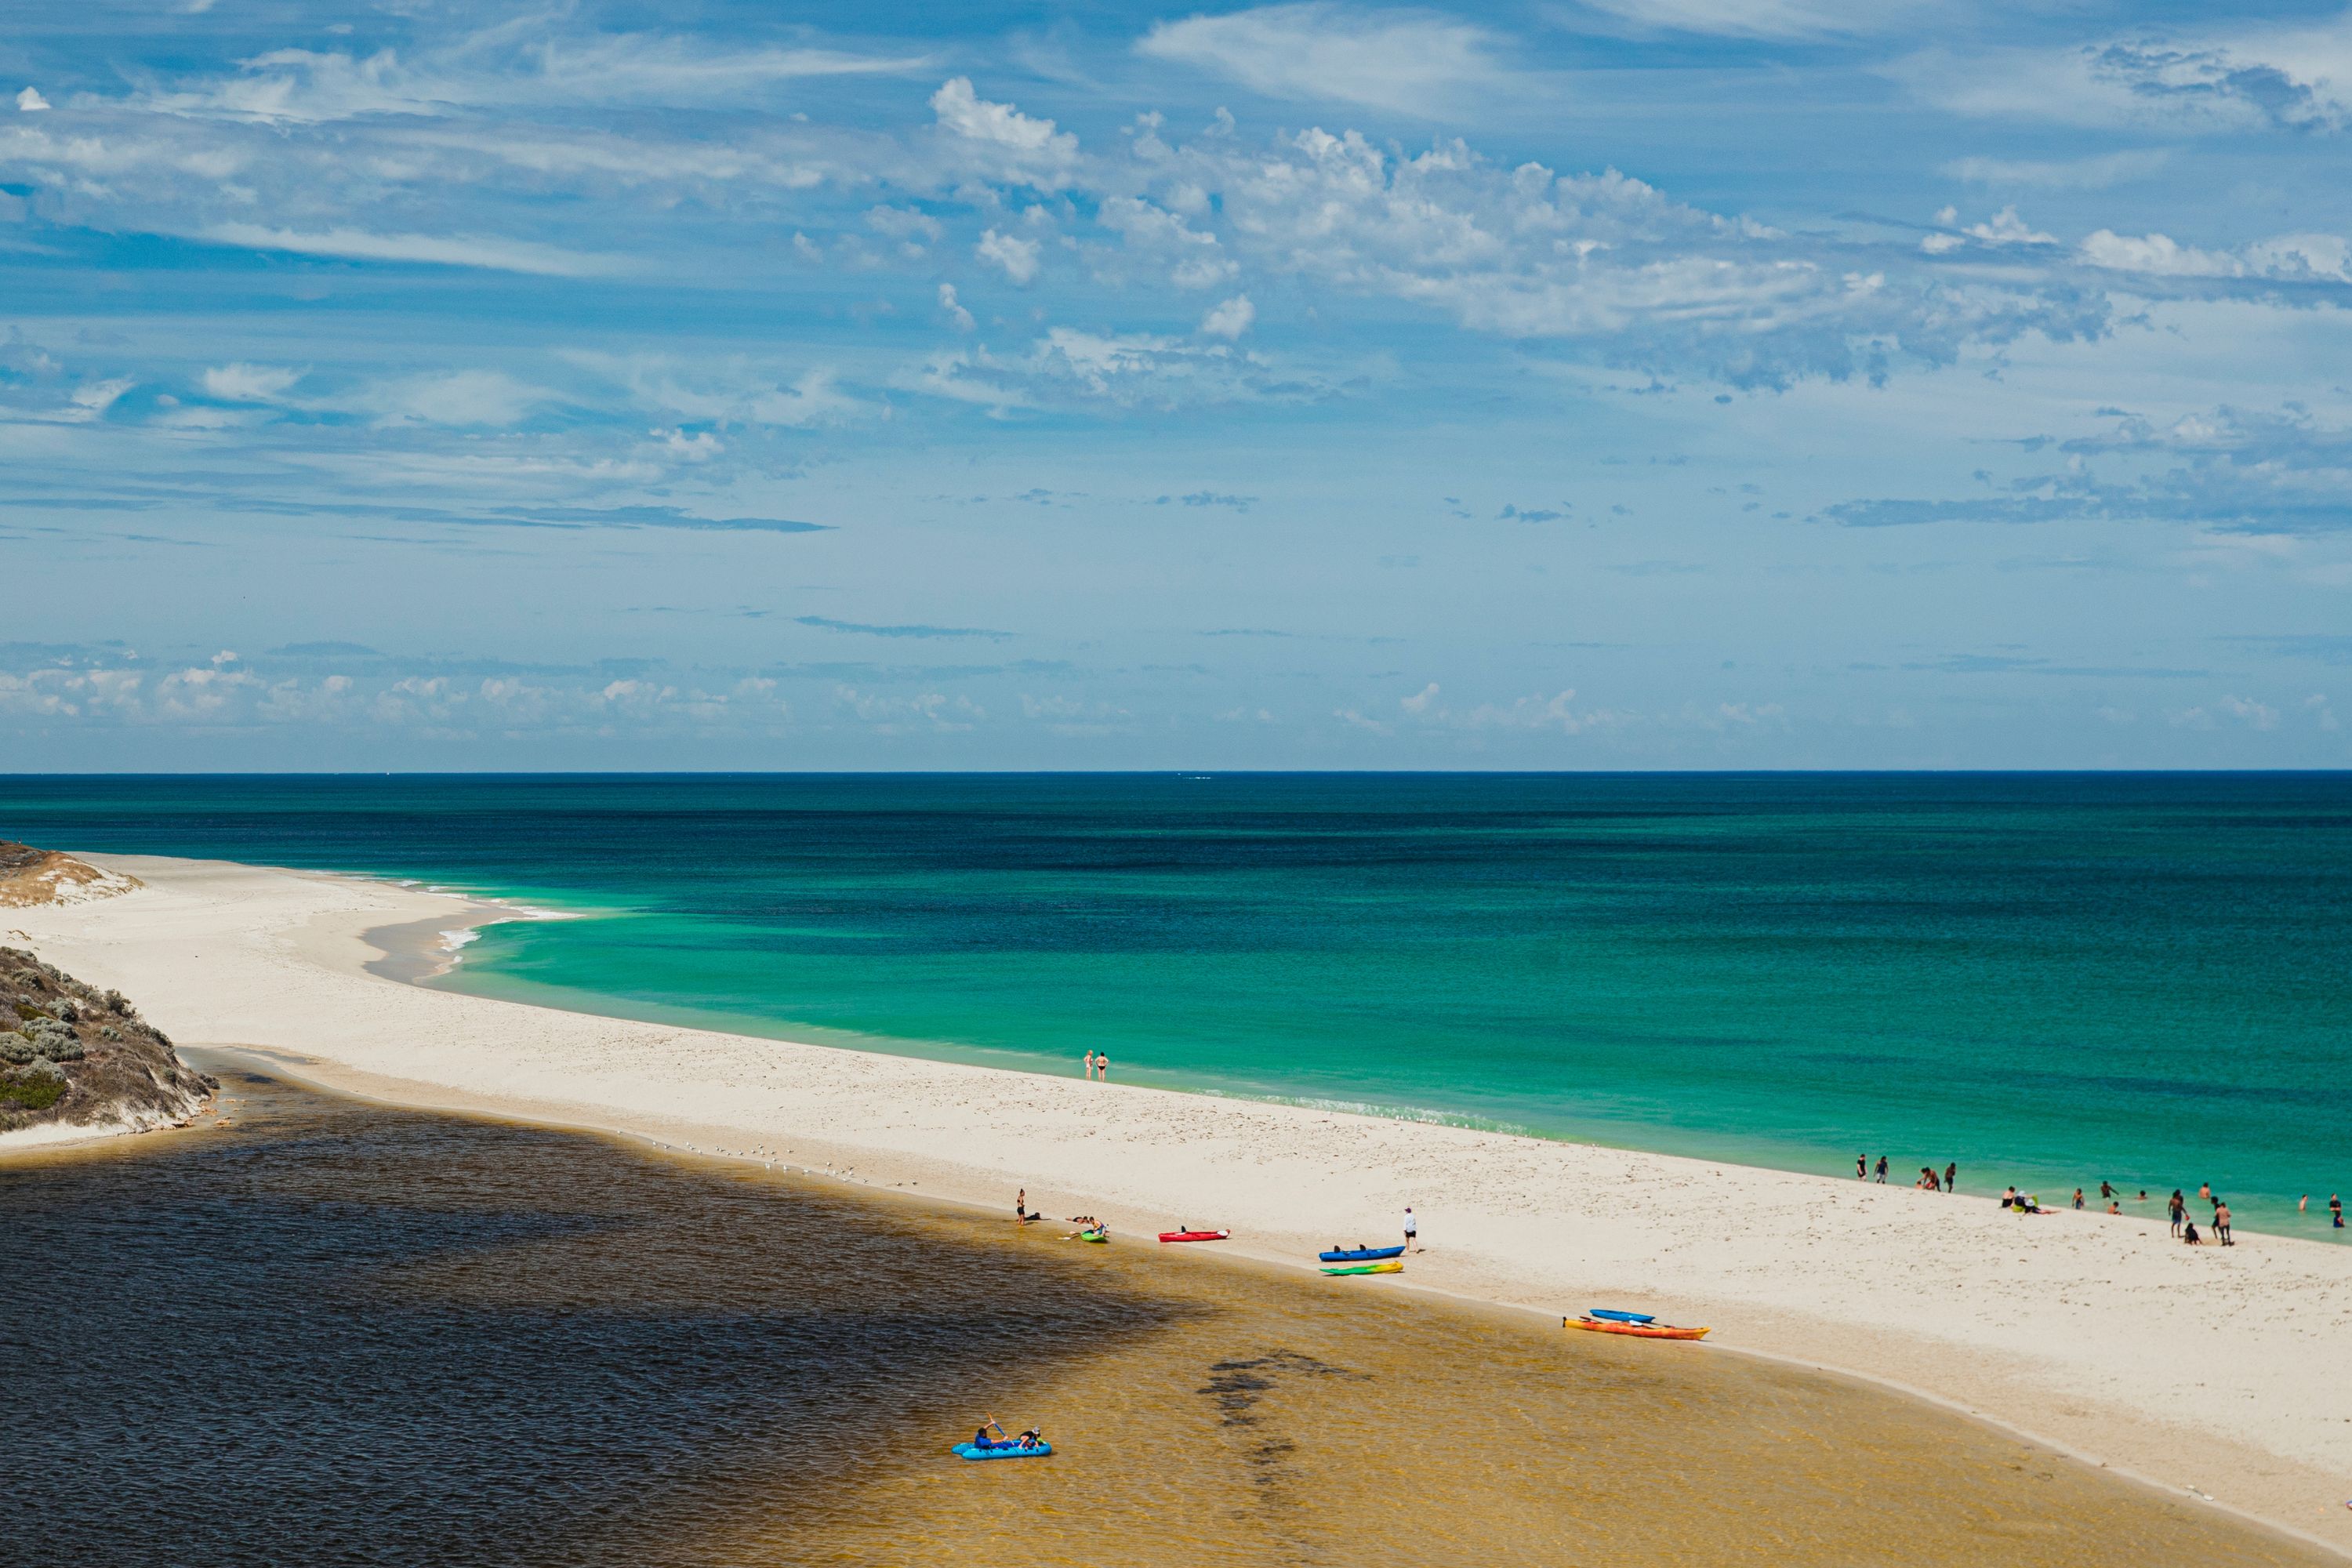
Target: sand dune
x,y
2220,1372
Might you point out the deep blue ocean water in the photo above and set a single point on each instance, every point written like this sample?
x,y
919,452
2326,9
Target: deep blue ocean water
x,y
2050,978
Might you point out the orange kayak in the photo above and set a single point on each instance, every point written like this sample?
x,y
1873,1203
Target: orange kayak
x,y
1639,1331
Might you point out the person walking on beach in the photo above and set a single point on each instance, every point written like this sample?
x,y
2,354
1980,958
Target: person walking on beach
x,y
2178,1209
2078,1197
1411,1232
2222,1222
1882,1167
1951,1176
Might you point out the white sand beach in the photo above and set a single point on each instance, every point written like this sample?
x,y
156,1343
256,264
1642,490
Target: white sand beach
x,y
2222,1373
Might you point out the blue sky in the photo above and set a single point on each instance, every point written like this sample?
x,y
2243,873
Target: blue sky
x,y
1613,384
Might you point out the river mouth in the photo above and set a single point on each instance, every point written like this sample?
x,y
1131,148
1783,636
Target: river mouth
x,y
331,1331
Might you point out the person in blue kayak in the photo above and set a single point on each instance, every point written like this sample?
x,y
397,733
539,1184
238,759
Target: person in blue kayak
x,y
985,1443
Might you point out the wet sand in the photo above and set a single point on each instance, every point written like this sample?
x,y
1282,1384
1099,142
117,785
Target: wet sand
x,y
346,1328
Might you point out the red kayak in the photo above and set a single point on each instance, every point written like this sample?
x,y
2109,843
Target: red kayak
x,y
1196,1235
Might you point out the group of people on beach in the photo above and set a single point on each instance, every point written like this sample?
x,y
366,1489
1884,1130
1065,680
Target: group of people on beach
x,y
2176,1209
1099,1065
2025,1203
1929,1182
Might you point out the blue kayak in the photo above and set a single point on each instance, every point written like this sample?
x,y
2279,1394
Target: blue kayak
x,y
1361,1253
1001,1451
1606,1316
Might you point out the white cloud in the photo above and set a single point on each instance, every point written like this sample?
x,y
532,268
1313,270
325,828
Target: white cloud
x,y
249,383
1193,255
501,66
1412,62
931,710
812,398
2005,228
2061,175
1018,256
458,397
1015,145
909,225
954,311
2293,258
30,101
445,250
100,396
2227,77
1763,18
1230,319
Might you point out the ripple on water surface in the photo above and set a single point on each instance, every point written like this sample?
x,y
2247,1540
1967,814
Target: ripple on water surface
x,y
336,1334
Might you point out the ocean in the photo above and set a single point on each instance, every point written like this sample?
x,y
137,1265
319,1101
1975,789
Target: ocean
x,y
2052,980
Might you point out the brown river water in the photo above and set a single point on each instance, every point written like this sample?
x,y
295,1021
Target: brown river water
x,y
332,1332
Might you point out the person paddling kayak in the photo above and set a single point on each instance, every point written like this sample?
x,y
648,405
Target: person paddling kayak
x,y
985,1443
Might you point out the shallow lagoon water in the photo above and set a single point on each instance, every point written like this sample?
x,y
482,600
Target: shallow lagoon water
x,y
331,1332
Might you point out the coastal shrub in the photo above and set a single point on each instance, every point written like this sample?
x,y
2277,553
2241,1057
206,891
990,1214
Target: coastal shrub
x,y
34,1091
109,1032
16,1049
161,1037
69,1012
116,1002
55,1041
43,1068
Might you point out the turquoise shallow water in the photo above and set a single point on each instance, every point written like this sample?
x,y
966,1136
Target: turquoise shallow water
x,y
2049,979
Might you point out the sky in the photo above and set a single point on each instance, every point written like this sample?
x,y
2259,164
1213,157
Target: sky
x,y
1578,384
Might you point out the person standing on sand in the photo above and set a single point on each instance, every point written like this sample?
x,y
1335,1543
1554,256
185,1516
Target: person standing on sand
x,y
1411,1231
1882,1167
1862,1167
2222,1222
1090,1066
1952,1176
1021,1207
2178,1209
1102,1066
